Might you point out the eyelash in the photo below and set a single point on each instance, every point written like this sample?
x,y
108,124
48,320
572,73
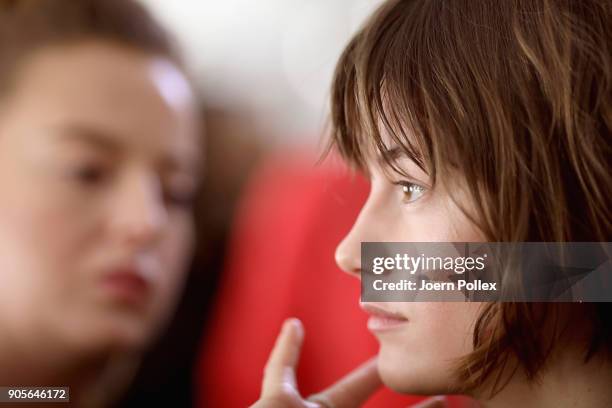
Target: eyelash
x,y
410,188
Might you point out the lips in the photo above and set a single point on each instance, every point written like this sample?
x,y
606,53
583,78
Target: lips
x,y
382,320
127,284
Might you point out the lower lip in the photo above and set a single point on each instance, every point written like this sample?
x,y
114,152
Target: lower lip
x,y
379,324
126,287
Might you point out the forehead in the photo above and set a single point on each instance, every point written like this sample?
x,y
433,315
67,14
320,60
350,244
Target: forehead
x,y
392,145
143,99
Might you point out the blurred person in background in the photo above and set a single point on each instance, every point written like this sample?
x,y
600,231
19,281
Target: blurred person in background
x,y
476,121
166,375
99,167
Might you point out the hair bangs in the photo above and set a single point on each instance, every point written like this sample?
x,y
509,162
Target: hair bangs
x,y
379,104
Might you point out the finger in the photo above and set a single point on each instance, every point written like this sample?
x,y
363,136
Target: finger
x,y
281,365
434,402
353,389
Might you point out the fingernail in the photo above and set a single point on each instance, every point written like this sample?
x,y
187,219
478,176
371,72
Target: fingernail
x,y
295,324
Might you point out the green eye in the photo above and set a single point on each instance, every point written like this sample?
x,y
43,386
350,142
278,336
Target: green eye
x,y
411,191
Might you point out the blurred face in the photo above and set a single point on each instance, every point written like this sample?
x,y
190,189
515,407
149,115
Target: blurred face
x,y
97,173
419,342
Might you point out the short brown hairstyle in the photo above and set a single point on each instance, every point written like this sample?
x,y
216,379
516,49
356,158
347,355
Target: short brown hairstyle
x,y
514,96
29,25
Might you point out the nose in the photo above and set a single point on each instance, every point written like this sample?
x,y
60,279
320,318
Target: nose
x,y
348,252
140,213
348,257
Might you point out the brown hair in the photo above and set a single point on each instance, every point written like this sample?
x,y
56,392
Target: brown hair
x,y
29,25
515,97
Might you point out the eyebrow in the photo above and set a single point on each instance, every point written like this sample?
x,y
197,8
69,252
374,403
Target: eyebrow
x,y
392,154
396,153
103,140
86,134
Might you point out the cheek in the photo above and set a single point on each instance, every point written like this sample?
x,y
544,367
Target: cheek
x,y
439,219
56,234
423,356
175,253
42,243
449,326
44,230
178,245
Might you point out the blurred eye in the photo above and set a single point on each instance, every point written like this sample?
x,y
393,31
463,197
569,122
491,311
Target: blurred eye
x,y
90,174
411,191
181,199
180,190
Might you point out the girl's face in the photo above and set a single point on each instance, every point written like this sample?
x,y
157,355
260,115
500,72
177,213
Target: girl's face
x,y
421,342
97,172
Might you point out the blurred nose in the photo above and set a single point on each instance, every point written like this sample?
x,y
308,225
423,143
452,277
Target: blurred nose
x,y
140,213
348,252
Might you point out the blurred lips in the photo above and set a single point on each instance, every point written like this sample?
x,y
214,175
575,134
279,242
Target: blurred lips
x,y
382,320
128,284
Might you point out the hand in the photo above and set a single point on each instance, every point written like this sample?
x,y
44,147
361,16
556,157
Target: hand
x,y
279,388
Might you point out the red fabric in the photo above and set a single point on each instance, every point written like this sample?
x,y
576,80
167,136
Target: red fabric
x,y
281,264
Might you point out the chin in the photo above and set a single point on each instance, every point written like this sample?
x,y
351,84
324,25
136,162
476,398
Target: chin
x,y
132,328
113,332
131,333
413,374
131,339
